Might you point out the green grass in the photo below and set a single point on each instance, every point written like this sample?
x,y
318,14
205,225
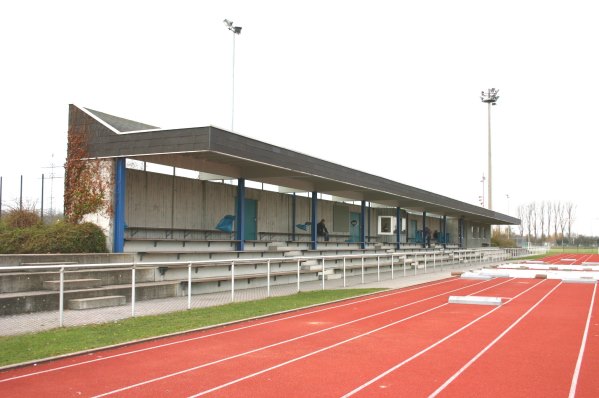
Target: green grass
x,y
572,250
36,346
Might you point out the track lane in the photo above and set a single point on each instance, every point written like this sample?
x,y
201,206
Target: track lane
x,y
421,376
347,367
123,369
537,357
585,383
208,376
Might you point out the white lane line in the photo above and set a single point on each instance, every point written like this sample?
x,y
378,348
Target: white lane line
x,y
582,347
418,354
285,341
223,332
314,352
491,344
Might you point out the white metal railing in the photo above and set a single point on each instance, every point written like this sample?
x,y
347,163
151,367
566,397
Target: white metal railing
x,y
419,261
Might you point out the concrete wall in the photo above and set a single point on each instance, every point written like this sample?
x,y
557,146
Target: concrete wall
x,y
163,201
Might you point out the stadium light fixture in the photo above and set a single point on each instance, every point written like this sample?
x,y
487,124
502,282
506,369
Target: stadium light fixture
x,y
236,31
490,98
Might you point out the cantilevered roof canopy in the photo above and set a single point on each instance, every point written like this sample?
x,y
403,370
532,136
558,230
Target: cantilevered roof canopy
x,y
216,151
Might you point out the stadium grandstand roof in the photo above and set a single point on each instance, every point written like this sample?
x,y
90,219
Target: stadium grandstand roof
x,y
219,152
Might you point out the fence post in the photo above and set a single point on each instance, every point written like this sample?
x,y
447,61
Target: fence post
x,y
61,298
378,268
392,277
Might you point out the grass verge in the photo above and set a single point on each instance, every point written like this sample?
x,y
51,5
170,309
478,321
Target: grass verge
x,y
36,346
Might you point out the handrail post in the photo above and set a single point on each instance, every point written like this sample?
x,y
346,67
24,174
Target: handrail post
x,y
268,278
362,269
322,272
404,265
392,266
189,287
344,283
61,298
232,281
378,268
298,274
133,290
415,264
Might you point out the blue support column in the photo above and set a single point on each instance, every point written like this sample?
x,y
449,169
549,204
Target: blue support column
x,y
240,229
407,227
313,221
398,227
424,229
444,232
369,218
119,206
363,225
293,221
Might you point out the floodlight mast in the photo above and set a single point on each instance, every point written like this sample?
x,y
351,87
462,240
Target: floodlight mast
x,y
490,98
236,31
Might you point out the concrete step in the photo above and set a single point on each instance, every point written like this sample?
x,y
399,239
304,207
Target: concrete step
x,y
276,244
331,276
281,248
95,302
315,267
73,284
293,253
327,272
308,263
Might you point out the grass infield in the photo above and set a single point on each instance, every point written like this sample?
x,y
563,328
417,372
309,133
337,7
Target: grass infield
x,y
61,341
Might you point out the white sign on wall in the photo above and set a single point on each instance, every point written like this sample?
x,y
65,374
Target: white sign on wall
x,y
387,225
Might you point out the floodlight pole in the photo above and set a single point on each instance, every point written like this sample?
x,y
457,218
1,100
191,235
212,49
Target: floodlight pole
x,y
490,98
236,31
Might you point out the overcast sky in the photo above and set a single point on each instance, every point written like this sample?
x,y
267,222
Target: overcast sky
x,y
387,87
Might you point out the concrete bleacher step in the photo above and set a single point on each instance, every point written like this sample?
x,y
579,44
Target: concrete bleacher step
x,y
275,245
293,253
327,272
96,302
312,267
73,284
329,276
281,248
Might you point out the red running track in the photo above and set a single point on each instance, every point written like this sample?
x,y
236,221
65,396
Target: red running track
x,y
407,342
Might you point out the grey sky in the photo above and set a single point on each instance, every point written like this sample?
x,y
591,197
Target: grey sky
x,y
387,87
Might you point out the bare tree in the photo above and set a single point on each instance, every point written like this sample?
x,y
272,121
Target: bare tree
x,y
570,210
522,216
530,219
550,210
557,209
562,220
542,210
